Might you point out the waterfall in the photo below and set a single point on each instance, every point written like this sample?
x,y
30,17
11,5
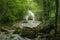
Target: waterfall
x,y
30,13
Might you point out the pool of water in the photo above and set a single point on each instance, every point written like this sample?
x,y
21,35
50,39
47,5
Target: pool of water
x,y
30,24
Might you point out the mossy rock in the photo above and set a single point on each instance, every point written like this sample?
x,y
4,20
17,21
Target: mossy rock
x,y
29,32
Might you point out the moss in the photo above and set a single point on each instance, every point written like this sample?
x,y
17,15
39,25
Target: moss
x,y
29,33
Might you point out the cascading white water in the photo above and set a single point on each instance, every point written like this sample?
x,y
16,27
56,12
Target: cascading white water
x,y
30,13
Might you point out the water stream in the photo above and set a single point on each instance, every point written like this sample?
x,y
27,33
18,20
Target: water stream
x,y
12,37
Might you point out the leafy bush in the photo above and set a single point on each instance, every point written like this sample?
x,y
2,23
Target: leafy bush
x,y
12,10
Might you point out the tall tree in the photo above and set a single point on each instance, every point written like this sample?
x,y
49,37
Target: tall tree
x,y
56,18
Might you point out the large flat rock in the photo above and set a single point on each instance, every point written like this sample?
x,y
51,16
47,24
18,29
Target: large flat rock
x,y
30,24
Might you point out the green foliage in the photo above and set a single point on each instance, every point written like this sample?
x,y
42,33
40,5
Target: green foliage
x,y
12,10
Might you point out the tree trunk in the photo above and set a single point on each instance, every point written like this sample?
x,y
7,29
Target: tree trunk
x,y
56,17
